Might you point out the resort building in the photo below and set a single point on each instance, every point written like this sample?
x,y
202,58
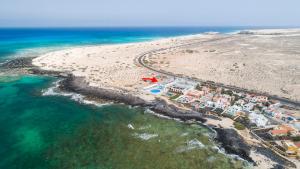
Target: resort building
x,y
222,101
195,93
283,130
209,104
207,97
248,107
233,110
297,144
278,133
240,102
181,86
259,99
196,105
291,149
273,112
274,106
185,99
258,119
249,97
282,114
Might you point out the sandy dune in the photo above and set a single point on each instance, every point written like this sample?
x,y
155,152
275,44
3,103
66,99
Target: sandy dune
x,y
265,60
108,66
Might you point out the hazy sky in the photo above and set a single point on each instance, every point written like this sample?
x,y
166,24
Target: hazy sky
x,y
149,13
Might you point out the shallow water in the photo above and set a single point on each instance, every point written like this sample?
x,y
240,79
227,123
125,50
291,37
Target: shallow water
x,y
55,132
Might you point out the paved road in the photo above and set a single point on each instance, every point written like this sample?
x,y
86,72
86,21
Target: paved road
x,y
140,60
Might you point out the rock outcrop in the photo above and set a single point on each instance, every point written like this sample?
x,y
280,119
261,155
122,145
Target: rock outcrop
x,y
233,143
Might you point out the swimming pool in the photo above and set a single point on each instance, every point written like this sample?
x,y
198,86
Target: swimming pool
x,y
155,91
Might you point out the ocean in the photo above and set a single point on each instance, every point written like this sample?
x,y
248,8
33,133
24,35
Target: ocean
x,y
40,131
16,42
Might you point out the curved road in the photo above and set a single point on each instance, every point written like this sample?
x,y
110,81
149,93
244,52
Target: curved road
x,y
140,60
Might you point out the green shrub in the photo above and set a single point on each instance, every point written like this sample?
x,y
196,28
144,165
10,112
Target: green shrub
x,y
239,126
175,96
297,138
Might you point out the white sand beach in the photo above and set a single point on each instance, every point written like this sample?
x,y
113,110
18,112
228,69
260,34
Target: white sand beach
x,y
109,66
264,60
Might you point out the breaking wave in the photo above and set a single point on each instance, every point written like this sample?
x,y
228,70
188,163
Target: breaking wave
x,y
130,126
162,116
145,136
232,156
55,91
190,145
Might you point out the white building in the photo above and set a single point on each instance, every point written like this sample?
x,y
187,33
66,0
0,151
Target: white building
x,y
209,104
248,107
181,86
206,98
258,119
240,102
185,99
233,110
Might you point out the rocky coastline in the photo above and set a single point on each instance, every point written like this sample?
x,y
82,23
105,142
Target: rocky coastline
x,y
78,85
228,138
233,143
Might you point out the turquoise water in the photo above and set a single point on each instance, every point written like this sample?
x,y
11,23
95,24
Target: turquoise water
x,y
55,132
155,91
41,132
34,41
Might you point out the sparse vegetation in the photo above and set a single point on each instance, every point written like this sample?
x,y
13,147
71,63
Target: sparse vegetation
x,y
296,138
239,126
174,97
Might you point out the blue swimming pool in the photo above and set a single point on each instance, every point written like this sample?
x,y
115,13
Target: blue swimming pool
x,y
155,91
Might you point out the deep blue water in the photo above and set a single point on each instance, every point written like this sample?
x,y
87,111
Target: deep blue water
x,y
33,41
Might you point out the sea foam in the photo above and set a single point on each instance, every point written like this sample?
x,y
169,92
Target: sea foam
x,y
162,116
55,91
145,136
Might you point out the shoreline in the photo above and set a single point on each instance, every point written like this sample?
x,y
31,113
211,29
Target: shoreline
x,y
229,139
162,108
239,148
77,84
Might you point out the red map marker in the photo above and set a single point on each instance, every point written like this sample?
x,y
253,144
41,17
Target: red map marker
x,y
152,79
